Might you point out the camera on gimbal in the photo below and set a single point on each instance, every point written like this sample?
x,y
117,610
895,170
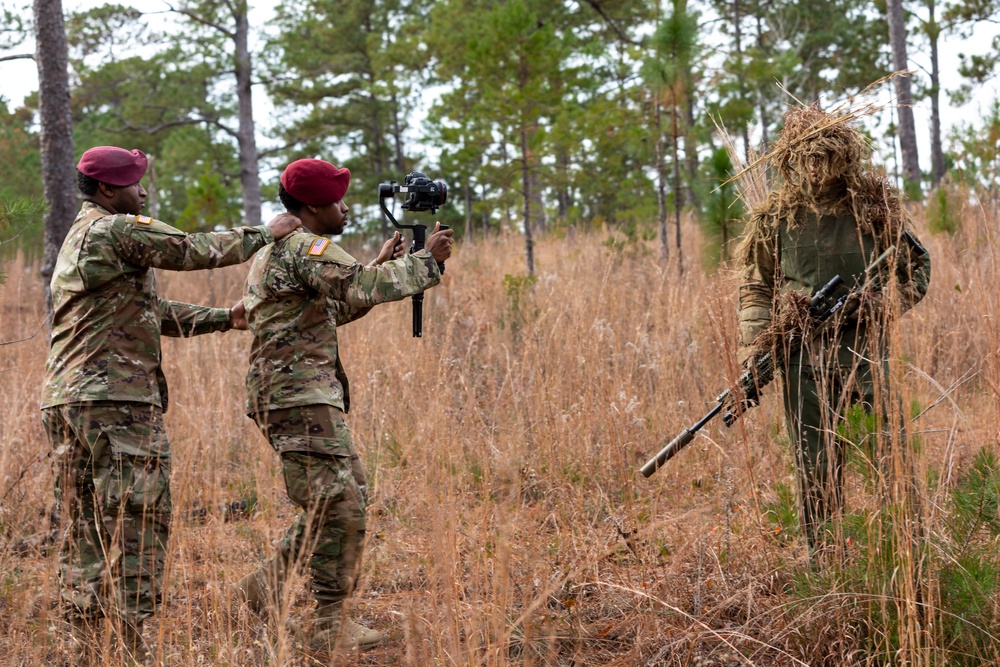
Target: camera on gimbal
x,y
422,194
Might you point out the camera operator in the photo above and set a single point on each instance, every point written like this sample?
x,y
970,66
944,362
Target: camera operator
x,y
298,292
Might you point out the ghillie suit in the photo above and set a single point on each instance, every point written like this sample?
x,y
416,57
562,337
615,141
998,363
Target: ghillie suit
x,y
828,213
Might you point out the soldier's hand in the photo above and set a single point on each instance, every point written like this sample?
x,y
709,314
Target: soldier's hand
x,y
238,316
439,243
283,224
393,248
747,355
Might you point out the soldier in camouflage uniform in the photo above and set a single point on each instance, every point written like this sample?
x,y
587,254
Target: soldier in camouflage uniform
x,y
829,214
104,393
299,291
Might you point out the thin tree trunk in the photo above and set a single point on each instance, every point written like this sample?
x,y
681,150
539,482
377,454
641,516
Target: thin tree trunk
x,y
937,155
152,194
761,97
562,188
485,214
738,45
467,188
677,192
904,95
529,244
661,186
245,134
58,172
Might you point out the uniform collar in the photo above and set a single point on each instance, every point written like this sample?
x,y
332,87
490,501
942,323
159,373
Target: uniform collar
x,y
91,206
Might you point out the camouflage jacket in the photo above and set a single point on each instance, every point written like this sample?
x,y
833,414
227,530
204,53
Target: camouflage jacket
x,y
107,318
804,257
300,289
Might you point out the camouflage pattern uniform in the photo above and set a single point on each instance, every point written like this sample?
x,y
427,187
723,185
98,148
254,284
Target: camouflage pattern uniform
x,y
300,289
104,396
823,379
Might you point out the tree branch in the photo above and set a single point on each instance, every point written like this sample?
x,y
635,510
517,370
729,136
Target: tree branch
x,y
202,20
19,56
618,31
21,340
171,123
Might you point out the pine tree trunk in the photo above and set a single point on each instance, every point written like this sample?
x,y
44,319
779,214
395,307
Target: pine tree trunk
x,y
937,154
58,170
677,194
152,207
467,188
904,95
246,136
661,184
529,244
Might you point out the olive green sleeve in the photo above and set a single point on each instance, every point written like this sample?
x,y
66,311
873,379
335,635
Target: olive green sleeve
x,y
756,292
361,287
158,245
182,320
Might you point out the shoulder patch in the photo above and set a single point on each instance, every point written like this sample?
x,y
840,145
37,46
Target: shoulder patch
x,y
144,219
318,246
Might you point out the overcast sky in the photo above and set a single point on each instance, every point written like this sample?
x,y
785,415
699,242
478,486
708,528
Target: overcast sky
x,y
20,77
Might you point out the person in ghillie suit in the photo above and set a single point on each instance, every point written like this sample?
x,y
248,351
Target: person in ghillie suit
x,y
827,213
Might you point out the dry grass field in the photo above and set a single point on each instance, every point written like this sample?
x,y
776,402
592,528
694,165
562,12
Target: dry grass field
x,y
508,524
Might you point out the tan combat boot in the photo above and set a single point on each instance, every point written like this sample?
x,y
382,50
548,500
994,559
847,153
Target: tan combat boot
x,y
334,630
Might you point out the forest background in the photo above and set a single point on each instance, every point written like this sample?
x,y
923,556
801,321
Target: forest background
x,y
540,115
508,525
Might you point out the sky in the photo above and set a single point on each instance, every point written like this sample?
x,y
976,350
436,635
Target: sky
x,y
19,78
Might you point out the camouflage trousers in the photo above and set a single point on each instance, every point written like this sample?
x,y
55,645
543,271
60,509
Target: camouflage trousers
x,y
324,476
112,489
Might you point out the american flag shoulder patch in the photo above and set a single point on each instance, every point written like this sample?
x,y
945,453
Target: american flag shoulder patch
x,y
144,219
318,246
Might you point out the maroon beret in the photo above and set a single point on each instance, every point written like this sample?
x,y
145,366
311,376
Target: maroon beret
x,y
315,182
113,165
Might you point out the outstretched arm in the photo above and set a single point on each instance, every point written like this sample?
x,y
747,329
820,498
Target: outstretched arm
x,y
183,320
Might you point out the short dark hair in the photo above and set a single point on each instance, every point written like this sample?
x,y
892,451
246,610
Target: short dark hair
x,y
291,204
87,185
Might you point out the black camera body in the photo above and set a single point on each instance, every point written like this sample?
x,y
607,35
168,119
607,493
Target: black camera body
x,y
422,194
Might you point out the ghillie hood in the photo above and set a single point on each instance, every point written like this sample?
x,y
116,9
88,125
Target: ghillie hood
x,y
830,145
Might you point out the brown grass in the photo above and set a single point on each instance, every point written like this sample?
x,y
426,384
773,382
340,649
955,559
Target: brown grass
x,y
507,523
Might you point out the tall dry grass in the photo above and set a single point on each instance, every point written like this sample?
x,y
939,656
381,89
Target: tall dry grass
x,y
507,524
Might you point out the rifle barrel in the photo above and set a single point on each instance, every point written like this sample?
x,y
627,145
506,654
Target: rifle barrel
x,y
677,444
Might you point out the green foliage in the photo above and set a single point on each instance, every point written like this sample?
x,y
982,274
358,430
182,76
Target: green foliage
x,y
944,208
12,28
20,224
784,513
976,152
209,204
970,577
520,308
722,210
347,76
963,565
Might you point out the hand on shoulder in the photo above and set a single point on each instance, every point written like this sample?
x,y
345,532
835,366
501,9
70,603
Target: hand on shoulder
x,y
283,224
